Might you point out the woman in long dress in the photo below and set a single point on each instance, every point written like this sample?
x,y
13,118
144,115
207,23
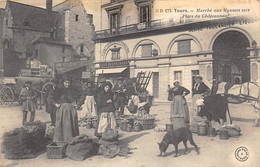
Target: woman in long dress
x,y
66,126
179,107
199,90
107,119
88,106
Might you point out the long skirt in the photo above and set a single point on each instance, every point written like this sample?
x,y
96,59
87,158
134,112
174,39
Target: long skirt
x,y
107,121
88,108
179,108
194,108
66,126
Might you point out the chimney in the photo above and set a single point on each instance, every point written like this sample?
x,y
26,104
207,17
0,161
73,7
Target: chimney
x,y
49,5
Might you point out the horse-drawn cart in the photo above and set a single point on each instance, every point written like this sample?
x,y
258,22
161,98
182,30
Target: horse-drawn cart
x,y
10,88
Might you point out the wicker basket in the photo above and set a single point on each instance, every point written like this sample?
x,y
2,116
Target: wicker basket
x,y
56,150
147,123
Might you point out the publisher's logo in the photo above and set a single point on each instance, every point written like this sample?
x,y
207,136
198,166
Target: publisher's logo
x,y
242,154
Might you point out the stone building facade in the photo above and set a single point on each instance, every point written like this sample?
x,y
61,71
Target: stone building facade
x,y
133,36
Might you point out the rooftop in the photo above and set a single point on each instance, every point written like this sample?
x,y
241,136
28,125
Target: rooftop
x,y
37,18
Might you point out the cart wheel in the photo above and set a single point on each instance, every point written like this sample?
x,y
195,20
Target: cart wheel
x,y
6,95
45,87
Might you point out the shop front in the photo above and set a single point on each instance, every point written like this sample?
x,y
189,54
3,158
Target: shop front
x,y
112,70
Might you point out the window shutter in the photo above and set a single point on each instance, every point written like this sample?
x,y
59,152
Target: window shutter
x,y
184,47
147,50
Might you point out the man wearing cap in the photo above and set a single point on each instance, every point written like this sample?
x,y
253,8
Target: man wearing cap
x,y
27,100
120,96
199,90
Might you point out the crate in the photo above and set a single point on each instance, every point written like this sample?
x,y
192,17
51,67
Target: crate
x,y
147,123
56,150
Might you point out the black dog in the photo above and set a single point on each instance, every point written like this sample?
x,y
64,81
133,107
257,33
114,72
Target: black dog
x,y
175,137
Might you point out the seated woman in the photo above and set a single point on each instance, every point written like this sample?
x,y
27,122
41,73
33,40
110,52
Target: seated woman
x,y
179,105
107,119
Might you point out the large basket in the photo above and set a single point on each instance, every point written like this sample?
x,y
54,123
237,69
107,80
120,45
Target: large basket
x,y
56,150
147,123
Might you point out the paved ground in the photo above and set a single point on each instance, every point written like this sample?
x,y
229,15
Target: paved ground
x,y
214,152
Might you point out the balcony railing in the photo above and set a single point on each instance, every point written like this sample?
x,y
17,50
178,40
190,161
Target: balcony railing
x,y
139,27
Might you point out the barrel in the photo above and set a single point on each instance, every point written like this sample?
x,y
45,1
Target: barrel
x,y
124,125
178,122
137,127
223,134
211,132
169,127
202,130
129,129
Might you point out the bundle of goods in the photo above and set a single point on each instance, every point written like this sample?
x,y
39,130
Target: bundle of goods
x,y
233,130
147,122
160,128
26,142
81,147
49,132
109,145
202,121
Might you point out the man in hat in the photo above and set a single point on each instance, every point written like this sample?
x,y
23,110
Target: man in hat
x,y
199,90
49,101
27,100
120,96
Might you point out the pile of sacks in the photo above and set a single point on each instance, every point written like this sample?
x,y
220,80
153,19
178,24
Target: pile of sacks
x,y
26,142
233,130
82,147
194,127
109,145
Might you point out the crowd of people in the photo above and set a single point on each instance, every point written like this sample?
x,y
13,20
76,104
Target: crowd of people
x,y
67,105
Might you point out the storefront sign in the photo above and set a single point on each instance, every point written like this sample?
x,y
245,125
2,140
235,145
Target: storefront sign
x,y
114,64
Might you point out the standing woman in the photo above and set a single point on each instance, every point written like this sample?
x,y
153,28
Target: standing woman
x,y
107,119
179,105
66,126
88,108
199,90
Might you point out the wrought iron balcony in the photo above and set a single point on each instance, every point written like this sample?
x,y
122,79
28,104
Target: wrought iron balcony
x,y
136,28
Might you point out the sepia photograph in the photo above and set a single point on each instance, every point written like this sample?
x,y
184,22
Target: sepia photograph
x,y
129,83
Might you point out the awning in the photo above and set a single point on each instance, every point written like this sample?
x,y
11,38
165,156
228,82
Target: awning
x,y
65,70
110,71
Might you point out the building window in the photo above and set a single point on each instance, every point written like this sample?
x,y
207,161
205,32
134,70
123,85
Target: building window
x,y
77,17
114,14
63,59
26,21
6,22
145,14
178,76
81,48
147,50
114,21
115,53
184,47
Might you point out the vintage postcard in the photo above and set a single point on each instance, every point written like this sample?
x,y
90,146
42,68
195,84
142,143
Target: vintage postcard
x,y
131,83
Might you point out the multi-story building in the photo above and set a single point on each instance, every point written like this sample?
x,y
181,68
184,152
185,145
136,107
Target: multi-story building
x,y
133,36
47,37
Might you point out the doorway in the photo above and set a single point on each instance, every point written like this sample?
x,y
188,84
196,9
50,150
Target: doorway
x,y
230,60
